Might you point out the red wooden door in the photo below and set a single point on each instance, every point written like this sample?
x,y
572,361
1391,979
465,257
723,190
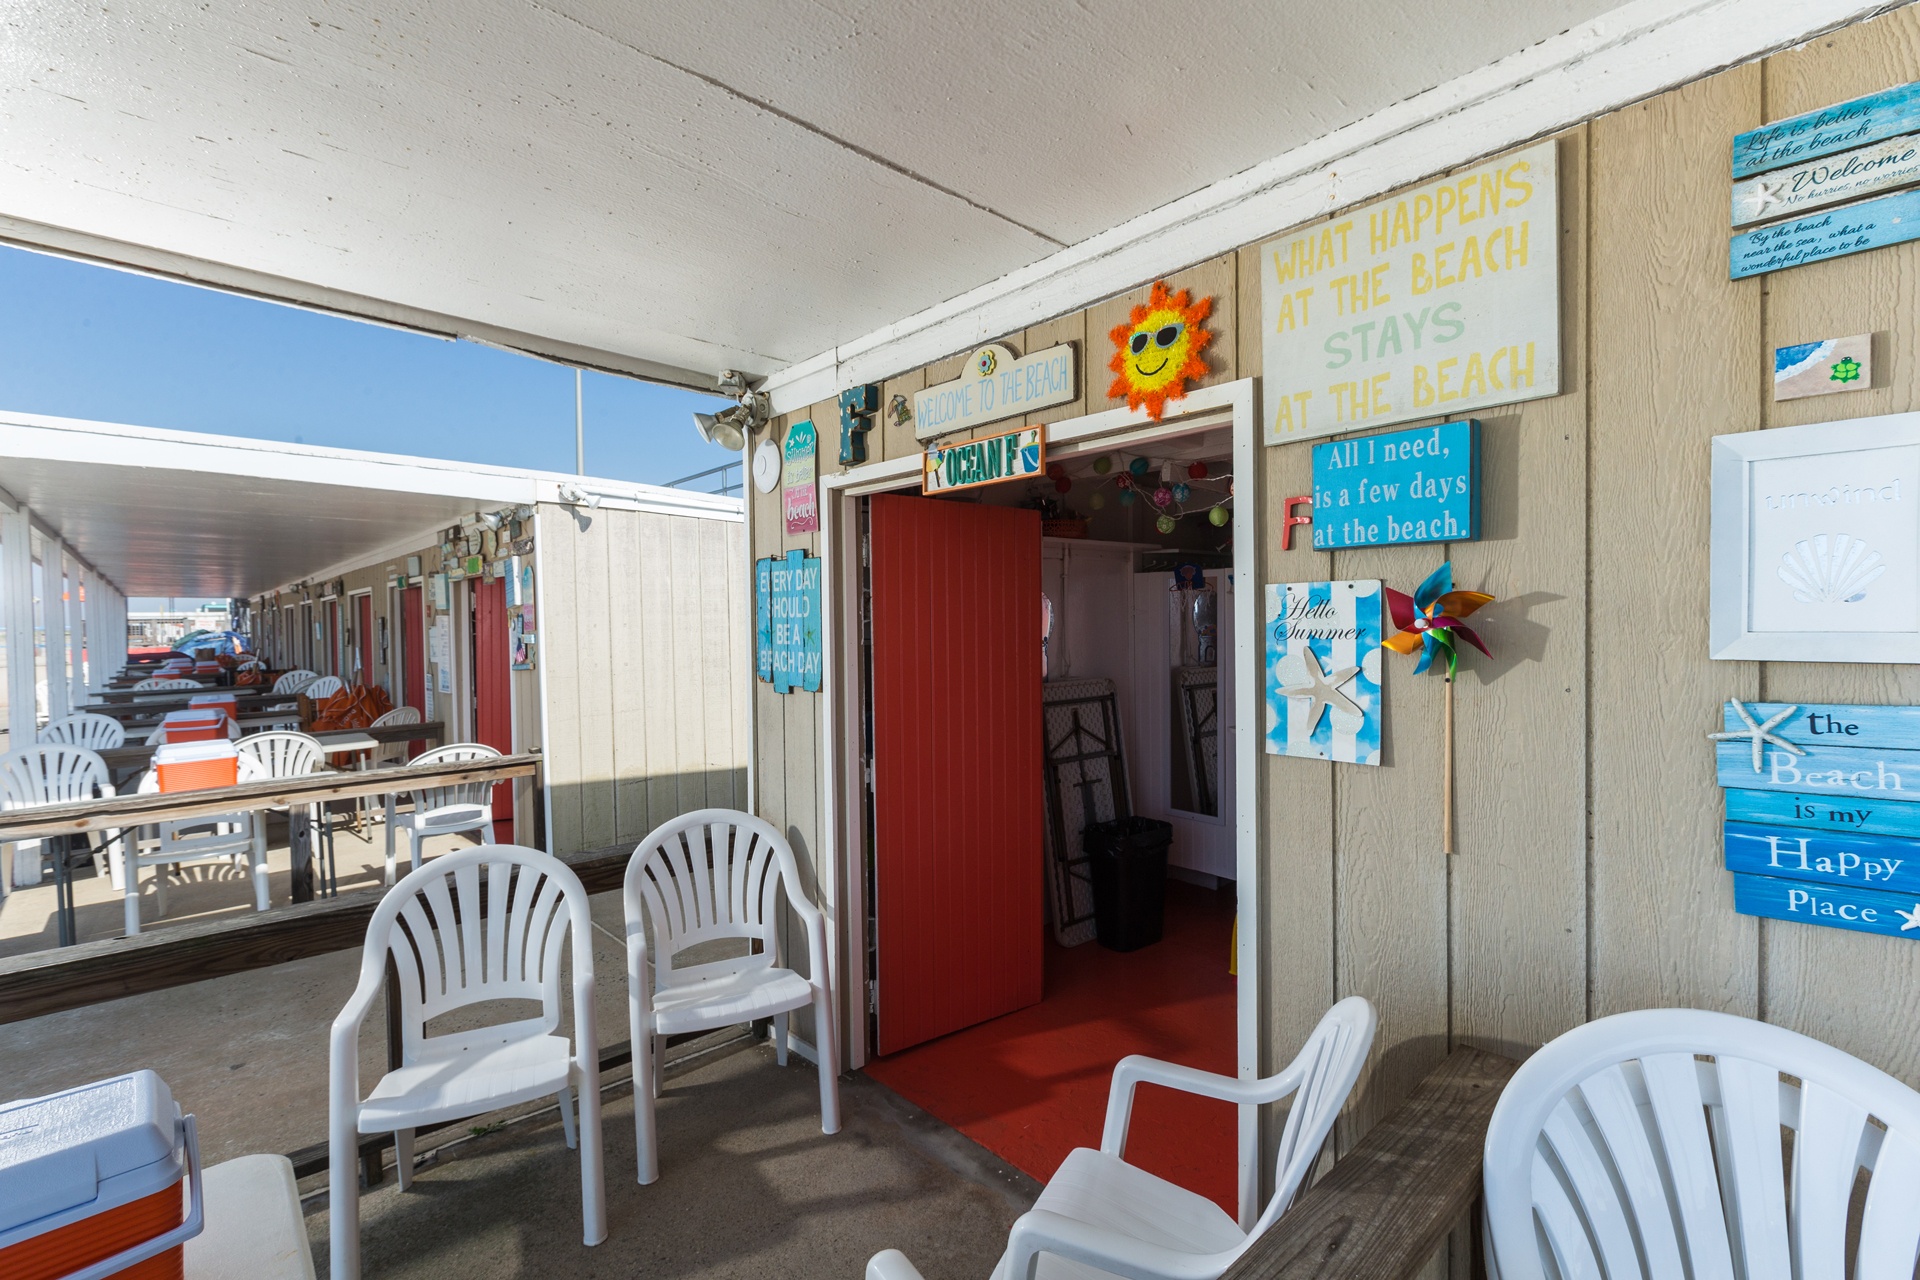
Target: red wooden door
x,y
413,657
363,636
956,764
492,694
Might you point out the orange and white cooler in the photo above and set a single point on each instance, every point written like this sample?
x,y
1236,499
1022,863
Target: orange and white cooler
x,y
195,724
195,766
91,1183
224,702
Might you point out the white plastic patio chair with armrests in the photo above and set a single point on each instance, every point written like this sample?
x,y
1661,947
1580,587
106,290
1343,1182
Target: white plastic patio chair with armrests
x,y
454,947
1099,1216
386,753
282,753
50,773
96,733
441,811
1649,1144
709,876
231,838
167,684
294,681
322,687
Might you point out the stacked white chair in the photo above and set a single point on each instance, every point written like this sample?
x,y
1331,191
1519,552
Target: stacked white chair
x,y
706,876
1649,1144
229,838
167,684
454,947
441,811
96,733
294,681
1100,1216
323,687
393,752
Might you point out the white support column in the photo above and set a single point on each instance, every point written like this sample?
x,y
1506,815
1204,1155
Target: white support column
x,y
76,635
114,642
53,621
16,608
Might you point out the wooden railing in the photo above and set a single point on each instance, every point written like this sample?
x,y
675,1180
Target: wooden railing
x,y
1389,1203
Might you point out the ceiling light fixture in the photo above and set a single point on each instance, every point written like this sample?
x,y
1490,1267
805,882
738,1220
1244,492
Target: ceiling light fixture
x,y
730,428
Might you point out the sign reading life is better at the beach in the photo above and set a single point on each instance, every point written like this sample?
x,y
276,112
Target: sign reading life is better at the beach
x,y
801,496
1020,454
786,615
1827,830
1434,302
1421,485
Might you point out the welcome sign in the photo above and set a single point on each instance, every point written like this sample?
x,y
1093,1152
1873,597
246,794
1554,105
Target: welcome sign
x,y
996,384
1020,454
1823,814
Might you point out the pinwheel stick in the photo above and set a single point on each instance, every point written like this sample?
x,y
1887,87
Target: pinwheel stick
x,y
1446,775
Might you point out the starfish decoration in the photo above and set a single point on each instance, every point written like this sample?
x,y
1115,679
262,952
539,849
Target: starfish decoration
x,y
1324,688
1766,194
1912,917
1761,734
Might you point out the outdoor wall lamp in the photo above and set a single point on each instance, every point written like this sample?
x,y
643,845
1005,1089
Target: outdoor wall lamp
x,y
730,427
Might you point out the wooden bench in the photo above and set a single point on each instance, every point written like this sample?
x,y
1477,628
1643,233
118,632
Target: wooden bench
x,y
1391,1201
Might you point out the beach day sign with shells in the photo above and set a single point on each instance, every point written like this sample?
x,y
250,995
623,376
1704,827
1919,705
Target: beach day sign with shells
x,y
1816,542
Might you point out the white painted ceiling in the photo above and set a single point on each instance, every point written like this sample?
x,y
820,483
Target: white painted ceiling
x,y
173,513
692,186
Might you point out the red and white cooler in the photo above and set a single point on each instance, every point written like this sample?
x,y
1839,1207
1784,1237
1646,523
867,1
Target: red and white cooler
x,y
92,1181
225,703
195,724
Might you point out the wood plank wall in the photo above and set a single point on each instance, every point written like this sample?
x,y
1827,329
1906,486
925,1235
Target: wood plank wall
x,y
644,639
1588,879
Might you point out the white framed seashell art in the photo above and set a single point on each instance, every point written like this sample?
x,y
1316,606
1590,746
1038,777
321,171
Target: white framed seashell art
x,y
1816,542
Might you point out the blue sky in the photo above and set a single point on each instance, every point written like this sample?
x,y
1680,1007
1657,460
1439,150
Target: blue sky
x,y
83,341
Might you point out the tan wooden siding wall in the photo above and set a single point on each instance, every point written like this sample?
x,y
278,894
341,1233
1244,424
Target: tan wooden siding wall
x,y
1589,878
643,633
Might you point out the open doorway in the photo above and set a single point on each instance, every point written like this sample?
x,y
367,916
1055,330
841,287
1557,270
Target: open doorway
x,y
1046,655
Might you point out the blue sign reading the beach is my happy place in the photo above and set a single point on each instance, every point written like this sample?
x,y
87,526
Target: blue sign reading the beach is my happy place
x,y
1421,485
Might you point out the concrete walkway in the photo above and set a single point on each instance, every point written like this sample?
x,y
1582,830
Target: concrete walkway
x,y
749,1187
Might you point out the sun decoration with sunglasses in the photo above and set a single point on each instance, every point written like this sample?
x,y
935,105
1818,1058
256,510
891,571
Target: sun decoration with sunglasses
x,y
1158,350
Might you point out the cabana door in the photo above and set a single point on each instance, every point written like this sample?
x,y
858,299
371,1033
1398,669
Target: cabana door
x,y
956,765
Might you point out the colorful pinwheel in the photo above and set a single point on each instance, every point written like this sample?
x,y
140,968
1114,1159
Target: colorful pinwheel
x,y
1429,619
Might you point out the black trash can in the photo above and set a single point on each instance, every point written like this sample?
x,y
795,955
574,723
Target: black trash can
x,y
1129,865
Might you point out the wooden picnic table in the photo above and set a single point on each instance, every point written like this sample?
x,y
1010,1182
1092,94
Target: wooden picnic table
x,y
155,705
137,755
293,793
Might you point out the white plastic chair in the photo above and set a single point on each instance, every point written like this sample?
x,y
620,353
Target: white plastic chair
x,y
393,752
294,681
166,684
282,753
1649,1144
323,687
49,773
1100,1216
709,875
231,838
452,948
441,811
86,729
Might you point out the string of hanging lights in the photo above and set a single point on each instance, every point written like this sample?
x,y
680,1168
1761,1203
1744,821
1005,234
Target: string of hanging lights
x,y
1199,494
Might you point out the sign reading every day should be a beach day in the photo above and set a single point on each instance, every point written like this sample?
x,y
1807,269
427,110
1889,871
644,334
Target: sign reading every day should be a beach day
x,y
786,615
1435,302
1823,814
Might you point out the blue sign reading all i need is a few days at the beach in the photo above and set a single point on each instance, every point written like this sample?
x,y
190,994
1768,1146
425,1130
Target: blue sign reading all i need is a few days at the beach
x,y
1823,814
1421,485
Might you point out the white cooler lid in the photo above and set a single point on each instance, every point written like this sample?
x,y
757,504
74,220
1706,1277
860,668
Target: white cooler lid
x,y
90,1149
189,752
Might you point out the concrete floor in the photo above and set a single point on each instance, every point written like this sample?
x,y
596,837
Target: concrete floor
x,y
749,1187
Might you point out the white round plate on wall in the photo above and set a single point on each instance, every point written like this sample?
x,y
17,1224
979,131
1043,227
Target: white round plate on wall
x,y
766,466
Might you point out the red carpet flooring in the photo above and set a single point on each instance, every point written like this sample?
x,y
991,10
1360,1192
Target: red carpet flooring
x,y
1032,1086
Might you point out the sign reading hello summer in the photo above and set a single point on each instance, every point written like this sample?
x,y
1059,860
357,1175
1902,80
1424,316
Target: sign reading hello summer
x,y
1431,303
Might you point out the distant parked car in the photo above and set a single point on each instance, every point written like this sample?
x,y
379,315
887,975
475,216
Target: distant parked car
x,y
221,642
